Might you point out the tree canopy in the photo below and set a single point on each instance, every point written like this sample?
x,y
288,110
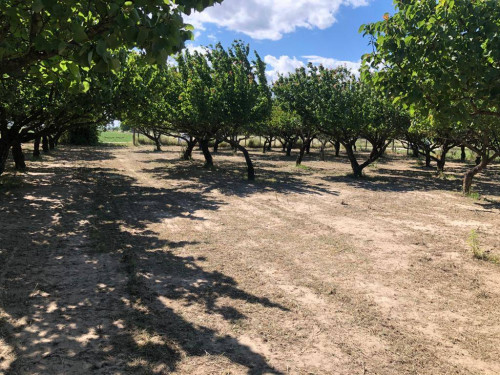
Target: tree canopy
x,y
38,36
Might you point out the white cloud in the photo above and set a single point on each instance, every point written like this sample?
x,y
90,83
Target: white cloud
x,y
285,64
282,65
331,63
270,19
200,49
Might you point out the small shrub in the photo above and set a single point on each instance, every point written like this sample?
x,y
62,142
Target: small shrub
x,y
82,136
252,143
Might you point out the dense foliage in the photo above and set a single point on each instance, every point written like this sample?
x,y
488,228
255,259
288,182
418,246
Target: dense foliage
x,y
441,59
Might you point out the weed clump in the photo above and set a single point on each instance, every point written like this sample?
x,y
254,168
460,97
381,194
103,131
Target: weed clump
x,y
477,252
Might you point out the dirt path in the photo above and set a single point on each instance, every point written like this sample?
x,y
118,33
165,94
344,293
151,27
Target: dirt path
x,y
131,261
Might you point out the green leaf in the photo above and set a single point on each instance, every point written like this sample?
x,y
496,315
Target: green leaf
x,y
79,34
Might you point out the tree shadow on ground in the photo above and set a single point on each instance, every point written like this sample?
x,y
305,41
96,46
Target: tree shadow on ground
x,y
85,284
420,179
230,179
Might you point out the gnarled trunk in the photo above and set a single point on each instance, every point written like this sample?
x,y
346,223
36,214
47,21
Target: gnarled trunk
x,y
157,143
308,147
188,152
289,147
322,151
357,170
250,168
414,148
216,145
18,155
469,176
300,157
209,161
52,143
337,148
463,155
427,158
36,147
441,161
45,144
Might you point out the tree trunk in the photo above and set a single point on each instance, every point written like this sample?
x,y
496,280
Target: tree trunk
x,y
337,148
209,161
36,147
270,145
250,168
468,177
322,151
52,144
56,138
45,144
4,153
414,148
308,147
441,161
188,152
289,148
284,146
18,155
216,145
301,154
264,148
463,155
158,143
356,168
427,158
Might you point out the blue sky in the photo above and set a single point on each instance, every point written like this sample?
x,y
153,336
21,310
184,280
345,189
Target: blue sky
x,y
289,33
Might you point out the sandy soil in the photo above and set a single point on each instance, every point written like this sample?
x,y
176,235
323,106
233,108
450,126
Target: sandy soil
x,y
123,260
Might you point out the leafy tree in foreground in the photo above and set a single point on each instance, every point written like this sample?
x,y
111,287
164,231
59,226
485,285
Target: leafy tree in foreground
x,y
87,32
441,59
31,110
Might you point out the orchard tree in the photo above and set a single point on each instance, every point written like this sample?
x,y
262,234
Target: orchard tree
x,y
222,96
196,110
298,93
285,125
349,109
242,85
31,110
141,97
441,59
47,41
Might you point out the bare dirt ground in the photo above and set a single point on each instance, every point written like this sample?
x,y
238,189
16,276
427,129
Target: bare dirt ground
x,y
122,260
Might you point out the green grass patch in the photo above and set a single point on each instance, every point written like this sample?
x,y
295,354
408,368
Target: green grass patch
x,y
115,137
474,195
302,166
